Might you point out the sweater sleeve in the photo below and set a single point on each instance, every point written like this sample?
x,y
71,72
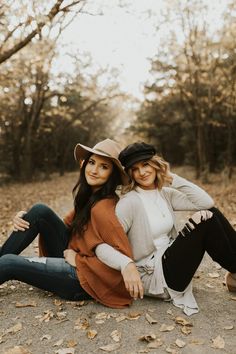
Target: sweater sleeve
x,y
186,195
111,257
124,212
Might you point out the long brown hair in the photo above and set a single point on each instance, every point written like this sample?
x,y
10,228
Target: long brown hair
x,y
84,198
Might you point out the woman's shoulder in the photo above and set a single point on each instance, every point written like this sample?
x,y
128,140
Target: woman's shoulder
x,y
131,195
104,207
129,201
168,192
103,213
104,203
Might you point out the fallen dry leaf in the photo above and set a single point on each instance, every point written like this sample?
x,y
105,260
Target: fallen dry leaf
x,y
29,342
228,327
58,302
46,336
150,319
166,328
61,315
134,315
66,351
171,350
81,323
210,286
81,303
186,330
148,338
110,347
92,333
196,341
47,317
182,321
14,329
116,335
218,343
17,350
26,304
58,343
121,318
214,275
72,343
101,316
155,344
170,312
180,343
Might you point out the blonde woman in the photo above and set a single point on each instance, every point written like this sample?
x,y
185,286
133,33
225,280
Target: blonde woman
x,y
167,260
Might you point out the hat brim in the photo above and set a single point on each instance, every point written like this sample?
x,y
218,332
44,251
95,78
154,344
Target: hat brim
x,y
138,158
81,151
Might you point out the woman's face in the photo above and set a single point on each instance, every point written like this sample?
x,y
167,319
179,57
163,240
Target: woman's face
x,y
144,175
98,171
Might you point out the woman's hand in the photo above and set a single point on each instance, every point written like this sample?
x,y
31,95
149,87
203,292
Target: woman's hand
x,y
201,215
132,281
69,256
19,224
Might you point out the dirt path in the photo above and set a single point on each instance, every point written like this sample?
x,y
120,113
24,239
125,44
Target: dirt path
x,y
33,321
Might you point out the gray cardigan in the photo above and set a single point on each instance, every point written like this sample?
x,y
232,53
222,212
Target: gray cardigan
x,y
181,195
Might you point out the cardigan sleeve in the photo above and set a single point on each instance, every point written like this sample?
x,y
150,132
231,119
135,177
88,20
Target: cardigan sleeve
x,y
124,212
186,195
111,257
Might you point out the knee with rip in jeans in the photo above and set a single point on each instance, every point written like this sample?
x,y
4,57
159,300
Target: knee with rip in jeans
x,y
196,218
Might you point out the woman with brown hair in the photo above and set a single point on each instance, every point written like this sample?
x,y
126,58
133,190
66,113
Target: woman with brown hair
x,y
70,267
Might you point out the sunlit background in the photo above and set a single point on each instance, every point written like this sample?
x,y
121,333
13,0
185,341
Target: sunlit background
x,y
83,70
127,37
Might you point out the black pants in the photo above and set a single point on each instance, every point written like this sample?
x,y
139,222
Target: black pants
x,y
215,236
52,273
42,220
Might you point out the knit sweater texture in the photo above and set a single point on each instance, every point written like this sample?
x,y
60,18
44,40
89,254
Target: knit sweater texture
x,y
104,284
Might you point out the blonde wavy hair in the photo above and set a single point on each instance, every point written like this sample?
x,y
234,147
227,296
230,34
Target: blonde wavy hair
x,y
163,177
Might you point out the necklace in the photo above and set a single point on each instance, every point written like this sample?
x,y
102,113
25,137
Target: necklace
x,y
155,197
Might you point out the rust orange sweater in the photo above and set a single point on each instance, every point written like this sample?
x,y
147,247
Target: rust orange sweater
x,y
103,283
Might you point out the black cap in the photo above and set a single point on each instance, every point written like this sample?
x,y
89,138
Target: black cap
x,y
136,152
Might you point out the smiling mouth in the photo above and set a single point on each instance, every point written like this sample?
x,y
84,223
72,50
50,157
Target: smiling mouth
x,y
144,178
93,177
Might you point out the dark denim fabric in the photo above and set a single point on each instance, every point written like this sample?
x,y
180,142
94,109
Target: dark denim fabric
x,y
52,273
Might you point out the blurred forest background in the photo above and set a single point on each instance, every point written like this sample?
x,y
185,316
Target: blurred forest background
x,y
188,110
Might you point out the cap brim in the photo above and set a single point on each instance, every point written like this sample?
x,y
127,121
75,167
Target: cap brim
x,y
138,158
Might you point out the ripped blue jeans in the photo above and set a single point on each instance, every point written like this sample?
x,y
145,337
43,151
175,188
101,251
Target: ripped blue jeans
x,y
51,273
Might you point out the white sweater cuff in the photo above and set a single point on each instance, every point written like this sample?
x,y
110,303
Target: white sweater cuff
x,y
111,257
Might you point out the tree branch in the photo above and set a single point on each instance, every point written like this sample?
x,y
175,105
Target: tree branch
x,y
50,16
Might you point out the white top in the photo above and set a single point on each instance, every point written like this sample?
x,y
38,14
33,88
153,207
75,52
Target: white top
x,y
150,239
159,216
